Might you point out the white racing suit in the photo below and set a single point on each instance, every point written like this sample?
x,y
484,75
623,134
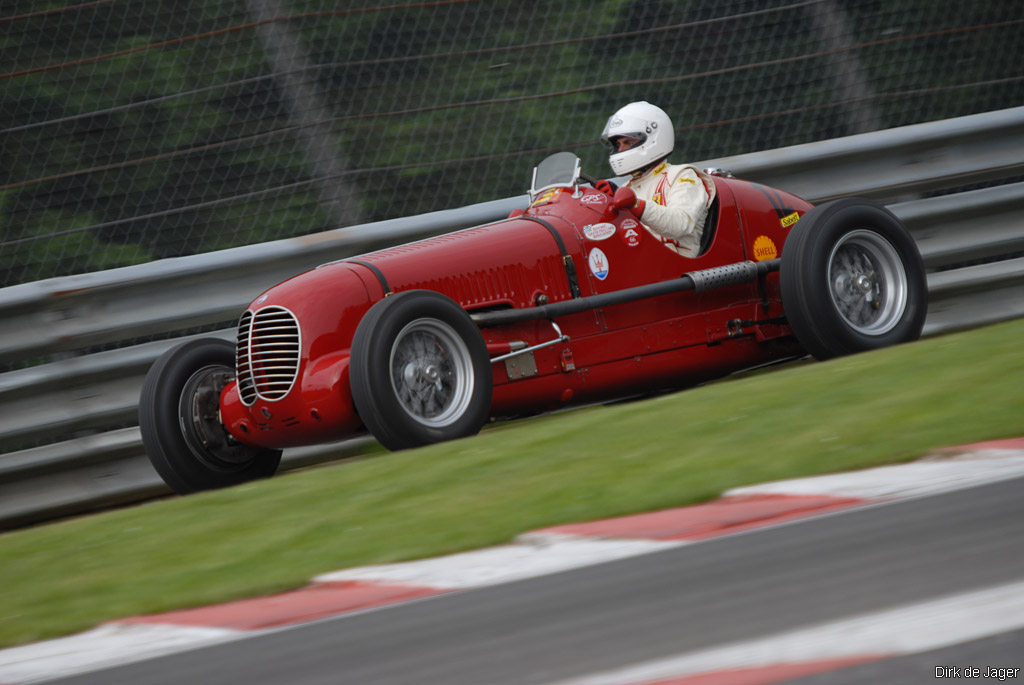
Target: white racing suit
x,y
677,198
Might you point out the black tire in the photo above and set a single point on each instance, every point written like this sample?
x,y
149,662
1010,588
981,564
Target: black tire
x,y
181,431
852,279
419,371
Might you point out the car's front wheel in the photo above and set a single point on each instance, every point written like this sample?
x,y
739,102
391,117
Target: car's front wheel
x,y
420,372
852,279
179,410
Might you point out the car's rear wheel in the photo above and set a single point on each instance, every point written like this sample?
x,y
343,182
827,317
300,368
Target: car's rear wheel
x,y
420,372
179,420
852,279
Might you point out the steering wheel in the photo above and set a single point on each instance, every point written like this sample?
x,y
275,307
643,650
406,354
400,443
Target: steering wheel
x,y
593,181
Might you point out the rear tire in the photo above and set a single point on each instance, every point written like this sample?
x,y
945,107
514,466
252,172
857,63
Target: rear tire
x,y
179,421
852,279
419,370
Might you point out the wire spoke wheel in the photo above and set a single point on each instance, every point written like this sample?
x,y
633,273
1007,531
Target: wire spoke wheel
x,y
179,419
852,279
199,415
868,283
419,371
431,372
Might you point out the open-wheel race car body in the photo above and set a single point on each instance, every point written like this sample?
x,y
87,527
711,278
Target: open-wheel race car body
x,y
571,302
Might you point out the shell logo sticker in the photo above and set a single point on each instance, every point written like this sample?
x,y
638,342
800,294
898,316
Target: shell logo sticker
x,y
789,219
599,231
764,248
598,263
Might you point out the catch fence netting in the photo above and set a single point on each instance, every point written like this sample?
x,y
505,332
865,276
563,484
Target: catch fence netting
x,y
137,131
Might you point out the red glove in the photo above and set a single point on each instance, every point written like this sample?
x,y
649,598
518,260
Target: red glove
x,y
606,187
625,198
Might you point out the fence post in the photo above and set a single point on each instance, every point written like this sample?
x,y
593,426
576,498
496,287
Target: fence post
x,y
828,21
306,108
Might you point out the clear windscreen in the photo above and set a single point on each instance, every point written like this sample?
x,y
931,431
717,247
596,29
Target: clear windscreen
x,y
560,170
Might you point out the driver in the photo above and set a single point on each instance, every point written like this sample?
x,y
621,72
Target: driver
x,y
671,200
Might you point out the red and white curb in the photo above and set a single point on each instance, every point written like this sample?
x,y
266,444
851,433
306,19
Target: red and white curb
x,y
572,546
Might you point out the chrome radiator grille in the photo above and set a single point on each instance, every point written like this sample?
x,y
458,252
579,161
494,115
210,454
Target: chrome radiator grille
x,y
268,355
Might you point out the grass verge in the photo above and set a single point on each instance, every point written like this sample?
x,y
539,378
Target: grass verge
x,y
887,406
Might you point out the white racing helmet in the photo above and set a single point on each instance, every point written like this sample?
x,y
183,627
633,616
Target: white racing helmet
x,y
643,121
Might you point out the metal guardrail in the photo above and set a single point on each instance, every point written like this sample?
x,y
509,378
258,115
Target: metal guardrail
x,y
76,312
80,406
897,162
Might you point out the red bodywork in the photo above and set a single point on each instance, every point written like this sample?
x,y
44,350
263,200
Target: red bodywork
x,y
651,344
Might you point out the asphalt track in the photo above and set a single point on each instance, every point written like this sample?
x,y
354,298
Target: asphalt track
x,y
590,620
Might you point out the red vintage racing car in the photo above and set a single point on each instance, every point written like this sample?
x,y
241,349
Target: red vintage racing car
x,y
571,302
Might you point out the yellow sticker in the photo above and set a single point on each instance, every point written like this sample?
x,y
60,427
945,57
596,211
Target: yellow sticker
x,y
547,196
789,220
764,248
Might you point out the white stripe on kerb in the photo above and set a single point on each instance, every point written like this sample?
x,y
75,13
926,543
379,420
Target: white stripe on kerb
x,y
533,556
111,644
891,632
925,477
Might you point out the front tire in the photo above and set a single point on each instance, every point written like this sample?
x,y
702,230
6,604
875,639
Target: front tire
x,y
179,421
852,280
420,372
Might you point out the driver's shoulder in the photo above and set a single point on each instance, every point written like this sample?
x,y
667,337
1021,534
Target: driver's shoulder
x,y
683,172
689,176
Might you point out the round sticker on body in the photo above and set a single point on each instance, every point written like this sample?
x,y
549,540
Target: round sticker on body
x,y
631,232
598,263
599,231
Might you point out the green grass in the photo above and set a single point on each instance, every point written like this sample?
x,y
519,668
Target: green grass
x,y
889,406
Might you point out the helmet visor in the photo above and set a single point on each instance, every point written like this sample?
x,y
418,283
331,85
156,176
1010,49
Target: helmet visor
x,y
620,142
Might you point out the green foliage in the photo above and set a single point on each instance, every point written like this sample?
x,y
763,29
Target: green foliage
x,y
179,126
70,247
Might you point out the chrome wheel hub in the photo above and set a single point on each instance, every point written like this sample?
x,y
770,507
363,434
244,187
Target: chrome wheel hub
x,y
431,372
867,282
